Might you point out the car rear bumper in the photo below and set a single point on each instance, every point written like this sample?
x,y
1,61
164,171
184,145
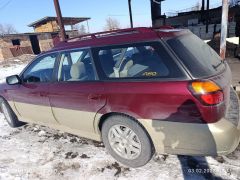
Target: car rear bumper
x,y
218,138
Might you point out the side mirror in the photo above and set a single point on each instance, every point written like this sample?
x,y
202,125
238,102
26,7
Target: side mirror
x,y
13,80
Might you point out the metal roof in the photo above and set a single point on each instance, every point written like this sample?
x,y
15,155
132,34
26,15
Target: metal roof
x,y
32,33
66,20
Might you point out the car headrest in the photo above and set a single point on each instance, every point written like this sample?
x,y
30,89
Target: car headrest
x,y
107,63
137,58
78,70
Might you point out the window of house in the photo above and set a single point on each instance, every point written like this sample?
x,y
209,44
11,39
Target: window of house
x,y
16,42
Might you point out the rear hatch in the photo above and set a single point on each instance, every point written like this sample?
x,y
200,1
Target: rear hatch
x,y
203,63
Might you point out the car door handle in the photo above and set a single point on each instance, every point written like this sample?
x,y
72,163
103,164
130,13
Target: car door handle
x,y
94,96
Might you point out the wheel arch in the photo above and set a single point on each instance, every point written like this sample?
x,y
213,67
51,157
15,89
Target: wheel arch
x,y
104,117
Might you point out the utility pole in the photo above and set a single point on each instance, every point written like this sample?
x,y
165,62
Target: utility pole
x,y
60,20
202,10
156,12
130,12
224,28
207,16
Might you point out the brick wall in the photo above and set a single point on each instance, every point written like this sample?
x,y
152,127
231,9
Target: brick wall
x,y
45,42
7,50
6,41
50,26
6,45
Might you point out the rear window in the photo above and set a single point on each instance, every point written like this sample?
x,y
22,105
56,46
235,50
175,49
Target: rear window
x,y
200,59
137,61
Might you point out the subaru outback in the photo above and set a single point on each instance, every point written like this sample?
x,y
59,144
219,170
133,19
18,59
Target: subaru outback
x,y
139,90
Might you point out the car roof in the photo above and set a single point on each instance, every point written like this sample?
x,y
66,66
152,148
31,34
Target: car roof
x,y
122,36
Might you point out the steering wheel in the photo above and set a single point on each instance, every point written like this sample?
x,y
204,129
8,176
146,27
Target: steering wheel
x,y
43,77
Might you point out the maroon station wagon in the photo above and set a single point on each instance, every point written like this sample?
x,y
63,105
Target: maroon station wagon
x,y
140,91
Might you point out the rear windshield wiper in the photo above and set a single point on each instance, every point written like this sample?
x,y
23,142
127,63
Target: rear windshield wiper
x,y
216,66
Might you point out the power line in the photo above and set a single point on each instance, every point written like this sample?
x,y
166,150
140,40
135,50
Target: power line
x,y
6,4
136,14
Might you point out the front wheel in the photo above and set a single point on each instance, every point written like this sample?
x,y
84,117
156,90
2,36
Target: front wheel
x,y
127,141
9,115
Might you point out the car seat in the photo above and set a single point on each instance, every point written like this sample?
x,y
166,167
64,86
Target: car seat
x,y
107,62
78,72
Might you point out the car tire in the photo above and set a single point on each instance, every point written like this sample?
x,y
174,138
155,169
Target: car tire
x,y
127,141
9,115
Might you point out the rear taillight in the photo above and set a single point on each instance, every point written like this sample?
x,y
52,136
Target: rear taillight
x,y
207,92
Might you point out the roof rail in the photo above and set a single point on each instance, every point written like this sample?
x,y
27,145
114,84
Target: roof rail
x,y
110,33
165,27
116,33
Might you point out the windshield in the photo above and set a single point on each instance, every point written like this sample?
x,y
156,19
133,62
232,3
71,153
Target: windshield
x,y
200,59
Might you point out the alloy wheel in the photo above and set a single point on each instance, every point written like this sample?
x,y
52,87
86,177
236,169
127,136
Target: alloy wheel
x,y
124,142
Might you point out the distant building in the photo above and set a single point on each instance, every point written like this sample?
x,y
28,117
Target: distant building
x,y
197,21
43,38
49,24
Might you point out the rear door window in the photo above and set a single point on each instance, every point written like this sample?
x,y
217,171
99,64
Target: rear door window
x,y
200,59
76,66
137,61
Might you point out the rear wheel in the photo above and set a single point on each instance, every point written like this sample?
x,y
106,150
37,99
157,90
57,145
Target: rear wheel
x,y
127,141
10,116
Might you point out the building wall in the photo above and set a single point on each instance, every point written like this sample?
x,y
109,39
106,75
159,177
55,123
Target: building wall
x,y
7,40
1,55
6,45
192,21
5,53
50,26
45,42
215,15
181,20
200,30
72,34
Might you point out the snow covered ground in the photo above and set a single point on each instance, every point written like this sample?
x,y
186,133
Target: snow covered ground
x,y
10,70
37,152
233,40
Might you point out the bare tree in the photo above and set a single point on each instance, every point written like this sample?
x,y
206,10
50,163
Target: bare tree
x,y
7,29
196,7
81,29
112,24
1,29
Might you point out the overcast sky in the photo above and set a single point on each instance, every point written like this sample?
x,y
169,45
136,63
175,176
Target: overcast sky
x,y
20,13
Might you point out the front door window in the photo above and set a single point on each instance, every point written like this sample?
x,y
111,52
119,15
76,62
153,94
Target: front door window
x,y
41,70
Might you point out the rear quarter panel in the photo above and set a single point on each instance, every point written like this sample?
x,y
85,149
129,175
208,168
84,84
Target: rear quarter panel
x,y
170,101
